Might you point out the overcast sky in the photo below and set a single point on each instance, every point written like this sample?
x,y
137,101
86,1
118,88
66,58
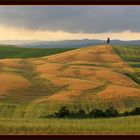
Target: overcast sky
x,y
69,22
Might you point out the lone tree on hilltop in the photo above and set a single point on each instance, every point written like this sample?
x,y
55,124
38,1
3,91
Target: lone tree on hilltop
x,y
108,40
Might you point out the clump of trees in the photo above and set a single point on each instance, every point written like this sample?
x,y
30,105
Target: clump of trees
x,y
110,112
135,111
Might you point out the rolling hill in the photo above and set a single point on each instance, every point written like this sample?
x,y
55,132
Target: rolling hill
x,y
89,73
93,75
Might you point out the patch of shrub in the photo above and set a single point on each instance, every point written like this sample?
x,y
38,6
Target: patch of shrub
x,y
64,112
97,113
111,112
80,114
126,113
135,111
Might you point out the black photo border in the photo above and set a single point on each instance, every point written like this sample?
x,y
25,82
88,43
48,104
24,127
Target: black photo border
x,y
69,2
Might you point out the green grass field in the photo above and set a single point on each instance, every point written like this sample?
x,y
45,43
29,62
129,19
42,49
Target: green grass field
x,y
37,111
130,54
10,51
122,125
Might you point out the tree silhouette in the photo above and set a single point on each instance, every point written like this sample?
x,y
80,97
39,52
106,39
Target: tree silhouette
x,y
108,40
81,114
126,113
111,112
96,114
135,111
63,112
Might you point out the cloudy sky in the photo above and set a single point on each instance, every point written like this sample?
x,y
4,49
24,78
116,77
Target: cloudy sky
x,y
69,22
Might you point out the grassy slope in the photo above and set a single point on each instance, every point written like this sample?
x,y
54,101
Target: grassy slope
x,y
38,89
123,125
9,51
29,114
41,88
130,54
31,111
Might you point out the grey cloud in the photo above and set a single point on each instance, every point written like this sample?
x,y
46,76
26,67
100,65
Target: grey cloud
x,y
89,19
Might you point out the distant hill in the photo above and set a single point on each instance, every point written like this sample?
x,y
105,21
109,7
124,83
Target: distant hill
x,y
65,43
12,51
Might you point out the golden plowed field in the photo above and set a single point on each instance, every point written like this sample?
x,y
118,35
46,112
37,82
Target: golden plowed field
x,y
94,71
87,71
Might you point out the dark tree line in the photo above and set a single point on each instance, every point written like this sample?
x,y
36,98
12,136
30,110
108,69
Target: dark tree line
x,y
64,112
